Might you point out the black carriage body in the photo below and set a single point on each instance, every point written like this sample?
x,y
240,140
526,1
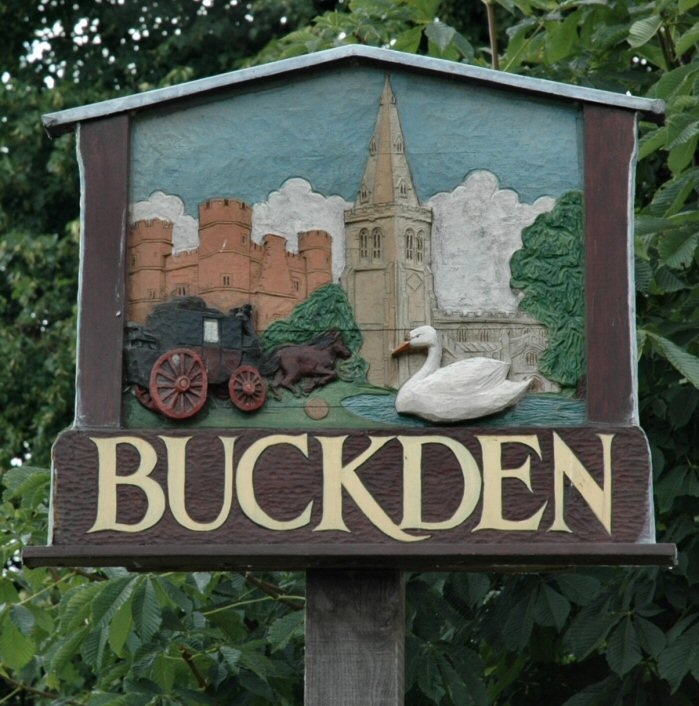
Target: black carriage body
x,y
224,341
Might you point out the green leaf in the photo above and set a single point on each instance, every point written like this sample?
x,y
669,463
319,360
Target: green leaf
x,y
112,595
642,31
65,648
686,5
120,628
667,281
685,42
551,608
679,657
590,627
652,141
147,616
578,588
683,154
409,41
440,33
651,637
671,82
561,38
623,651
16,650
231,655
284,629
686,363
677,248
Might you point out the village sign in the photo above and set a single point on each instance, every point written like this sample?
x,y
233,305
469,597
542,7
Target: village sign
x,y
358,308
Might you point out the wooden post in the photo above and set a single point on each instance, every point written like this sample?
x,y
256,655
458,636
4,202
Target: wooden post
x,y
355,638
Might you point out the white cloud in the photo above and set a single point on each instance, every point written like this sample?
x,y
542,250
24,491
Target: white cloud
x,y
296,208
475,231
167,207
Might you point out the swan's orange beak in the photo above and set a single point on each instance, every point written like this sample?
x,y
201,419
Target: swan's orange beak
x,y
405,346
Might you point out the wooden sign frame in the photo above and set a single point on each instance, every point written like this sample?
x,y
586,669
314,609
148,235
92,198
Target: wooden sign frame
x,y
534,463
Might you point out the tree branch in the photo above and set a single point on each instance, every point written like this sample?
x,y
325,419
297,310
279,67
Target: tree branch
x,y
18,686
189,661
271,590
492,34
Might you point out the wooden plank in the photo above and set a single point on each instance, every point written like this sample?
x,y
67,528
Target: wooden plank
x,y
610,141
104,153
290,495
440,557
355,638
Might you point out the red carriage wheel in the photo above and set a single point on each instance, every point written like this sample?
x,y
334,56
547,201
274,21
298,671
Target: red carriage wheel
x,y
178,383
144,397
247,389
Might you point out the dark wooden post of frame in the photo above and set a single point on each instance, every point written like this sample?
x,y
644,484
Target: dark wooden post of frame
x,y
610,138
355,637
104,147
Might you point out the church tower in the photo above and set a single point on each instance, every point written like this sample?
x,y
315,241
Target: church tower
x,y
388,242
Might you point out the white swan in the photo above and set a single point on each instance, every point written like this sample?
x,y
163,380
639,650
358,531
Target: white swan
x,y
467,389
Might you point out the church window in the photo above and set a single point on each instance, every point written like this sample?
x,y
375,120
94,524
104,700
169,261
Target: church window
x,y
420,246
180,290
151,294
364,193
295,284
403,188
363,243
483,335
226,280
531,358
409,244
243,239
372,146
377,244
133,261
398,145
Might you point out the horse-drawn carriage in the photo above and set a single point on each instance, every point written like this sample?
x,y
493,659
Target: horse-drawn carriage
x,y
186,349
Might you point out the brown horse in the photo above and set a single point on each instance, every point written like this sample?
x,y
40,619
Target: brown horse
x,y
315,360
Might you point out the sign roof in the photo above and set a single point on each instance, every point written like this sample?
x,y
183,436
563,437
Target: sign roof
x,y
66,120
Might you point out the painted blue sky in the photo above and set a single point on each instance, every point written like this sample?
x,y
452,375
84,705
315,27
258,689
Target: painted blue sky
x,y
248,143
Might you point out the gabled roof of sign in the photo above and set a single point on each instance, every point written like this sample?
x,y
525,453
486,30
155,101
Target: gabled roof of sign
x,y
66,120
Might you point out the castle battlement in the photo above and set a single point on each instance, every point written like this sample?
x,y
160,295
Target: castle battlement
x,y
224,210
150,229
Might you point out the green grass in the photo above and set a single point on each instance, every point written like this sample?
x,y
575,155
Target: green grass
x,y
287,413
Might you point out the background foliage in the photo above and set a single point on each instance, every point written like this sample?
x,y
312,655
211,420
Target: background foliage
x,y
597,636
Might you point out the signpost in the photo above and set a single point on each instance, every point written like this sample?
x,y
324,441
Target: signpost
x,y
356,313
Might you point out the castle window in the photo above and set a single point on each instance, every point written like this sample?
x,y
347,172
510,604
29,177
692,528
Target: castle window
x,y
376,244
409,244
363,243
226,280
420,246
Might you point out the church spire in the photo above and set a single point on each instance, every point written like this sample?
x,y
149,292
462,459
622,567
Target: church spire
x,y
387,177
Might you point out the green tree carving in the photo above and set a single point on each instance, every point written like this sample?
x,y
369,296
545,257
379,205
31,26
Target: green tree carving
x,y
549,270
327,308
